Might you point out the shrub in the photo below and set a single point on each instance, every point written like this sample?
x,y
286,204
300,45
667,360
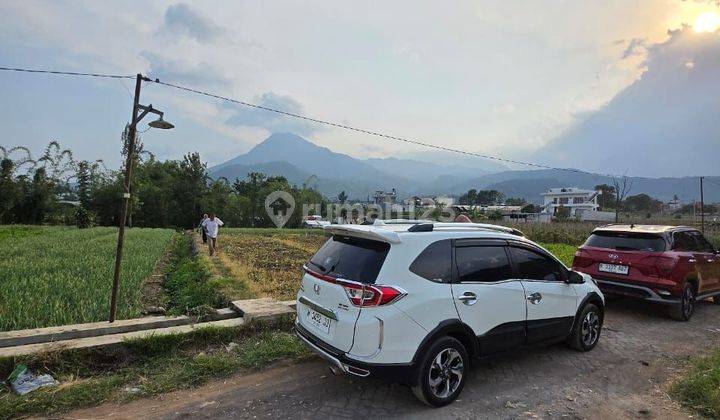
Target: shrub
x,y
83,218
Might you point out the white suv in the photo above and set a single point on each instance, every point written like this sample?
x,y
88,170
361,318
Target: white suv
x,y
414,302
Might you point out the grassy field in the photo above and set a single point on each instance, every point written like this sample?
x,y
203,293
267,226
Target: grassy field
x,y
149,366
699,389
62,275
268,262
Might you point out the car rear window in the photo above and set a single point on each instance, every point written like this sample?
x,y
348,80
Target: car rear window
x,y
627,241
351,258
435,262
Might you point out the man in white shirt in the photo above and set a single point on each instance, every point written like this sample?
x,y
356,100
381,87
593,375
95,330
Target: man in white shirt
x,y
212,226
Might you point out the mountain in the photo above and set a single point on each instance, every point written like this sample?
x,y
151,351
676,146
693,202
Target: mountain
x,y
299,159
304,155
411,167
238,170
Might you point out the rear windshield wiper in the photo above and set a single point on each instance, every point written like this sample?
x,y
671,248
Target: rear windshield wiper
x,y
625,248
320,266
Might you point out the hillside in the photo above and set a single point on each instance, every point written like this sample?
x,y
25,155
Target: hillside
x,y
299,159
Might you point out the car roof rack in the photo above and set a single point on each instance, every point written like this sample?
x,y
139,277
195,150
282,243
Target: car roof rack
x,y
383,222
429,227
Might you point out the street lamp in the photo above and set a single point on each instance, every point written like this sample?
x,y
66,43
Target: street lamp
x,y
138,113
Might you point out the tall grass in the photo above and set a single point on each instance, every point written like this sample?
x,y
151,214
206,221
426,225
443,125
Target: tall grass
x,y
59,275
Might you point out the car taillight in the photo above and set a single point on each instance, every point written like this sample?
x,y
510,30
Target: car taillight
x,y
370,295
582,259
363,295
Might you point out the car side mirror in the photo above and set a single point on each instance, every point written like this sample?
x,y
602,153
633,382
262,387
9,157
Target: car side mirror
x,y
574,277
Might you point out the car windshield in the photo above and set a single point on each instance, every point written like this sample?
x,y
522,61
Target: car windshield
x,y
627,241
351,258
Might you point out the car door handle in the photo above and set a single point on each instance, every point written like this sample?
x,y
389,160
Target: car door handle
x,y
692,260
534,298
468,298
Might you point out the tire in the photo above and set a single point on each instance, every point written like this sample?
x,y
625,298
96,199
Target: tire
x,y
586,331
446,358
685,309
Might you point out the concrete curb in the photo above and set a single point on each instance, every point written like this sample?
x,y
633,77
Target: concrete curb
x,y
95,329
102,334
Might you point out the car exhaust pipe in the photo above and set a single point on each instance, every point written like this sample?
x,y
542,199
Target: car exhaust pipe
x,y
334,369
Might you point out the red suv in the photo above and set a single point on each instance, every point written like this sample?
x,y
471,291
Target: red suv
x,y
673,265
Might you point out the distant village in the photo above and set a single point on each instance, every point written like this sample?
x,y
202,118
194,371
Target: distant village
x,y
564,203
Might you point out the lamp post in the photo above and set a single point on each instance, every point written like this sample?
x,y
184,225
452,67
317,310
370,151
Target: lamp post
x,y
138,113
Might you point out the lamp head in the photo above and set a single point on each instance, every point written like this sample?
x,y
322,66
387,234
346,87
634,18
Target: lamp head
x,y
161,124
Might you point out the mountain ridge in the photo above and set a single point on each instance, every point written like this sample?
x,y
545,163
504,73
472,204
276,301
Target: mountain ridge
x,y
299,159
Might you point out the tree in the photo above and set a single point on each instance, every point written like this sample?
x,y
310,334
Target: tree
x,y
9,189
642,203
606,200
489,197
83,181
622,189
468,198
531,208
251,187
515,201
342,197
39,198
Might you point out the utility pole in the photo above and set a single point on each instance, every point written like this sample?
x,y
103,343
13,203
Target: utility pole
x,y
132,131
702,207
126,198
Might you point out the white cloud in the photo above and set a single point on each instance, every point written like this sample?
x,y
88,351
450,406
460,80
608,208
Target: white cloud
x,y
493,76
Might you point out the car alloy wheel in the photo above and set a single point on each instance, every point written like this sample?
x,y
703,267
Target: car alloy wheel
x,y
446,373
688,302
590,328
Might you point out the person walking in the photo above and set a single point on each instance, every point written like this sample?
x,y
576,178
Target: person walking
x,y
202,228
212,226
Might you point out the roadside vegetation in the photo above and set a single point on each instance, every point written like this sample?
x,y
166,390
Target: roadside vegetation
x,y
699,389
149,366
61,275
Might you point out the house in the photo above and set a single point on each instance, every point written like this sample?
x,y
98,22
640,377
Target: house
x,y
444,201
382,197
576,199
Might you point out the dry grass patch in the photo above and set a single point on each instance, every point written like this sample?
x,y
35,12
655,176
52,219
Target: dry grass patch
x,y
269,264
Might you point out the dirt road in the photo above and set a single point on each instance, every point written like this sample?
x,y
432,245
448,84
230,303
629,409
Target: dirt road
x,y
624,377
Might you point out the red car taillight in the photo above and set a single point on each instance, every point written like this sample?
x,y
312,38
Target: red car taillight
x,y
363,295
582,259
370,295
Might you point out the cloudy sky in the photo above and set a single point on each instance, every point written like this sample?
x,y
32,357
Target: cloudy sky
x,y
522,80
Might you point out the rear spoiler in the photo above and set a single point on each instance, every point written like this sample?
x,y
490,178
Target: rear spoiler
x,y
364,231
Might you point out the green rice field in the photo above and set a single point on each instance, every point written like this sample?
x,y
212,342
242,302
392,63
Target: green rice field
x,y
63,275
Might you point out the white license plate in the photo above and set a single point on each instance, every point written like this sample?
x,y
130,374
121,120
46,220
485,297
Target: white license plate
x,y
318,320
613,268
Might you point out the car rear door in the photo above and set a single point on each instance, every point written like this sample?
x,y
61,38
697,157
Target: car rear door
x,y
692,259
334,275
710,266
552,302
487,296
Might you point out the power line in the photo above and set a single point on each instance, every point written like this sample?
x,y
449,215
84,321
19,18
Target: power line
x,y
67,73
315,120
370,132
711,181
